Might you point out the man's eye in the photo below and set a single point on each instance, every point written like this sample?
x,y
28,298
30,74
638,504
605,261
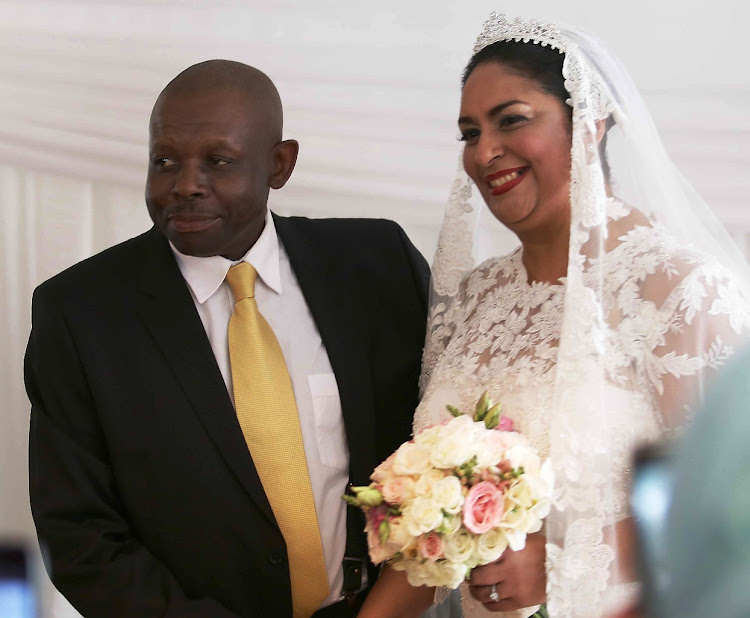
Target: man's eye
x,y
468,135
163,162
218,161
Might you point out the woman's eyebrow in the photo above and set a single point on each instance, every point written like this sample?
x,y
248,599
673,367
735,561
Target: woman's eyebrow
x,y
493,112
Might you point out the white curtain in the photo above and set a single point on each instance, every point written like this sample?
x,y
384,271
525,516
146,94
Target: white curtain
x,y
370,91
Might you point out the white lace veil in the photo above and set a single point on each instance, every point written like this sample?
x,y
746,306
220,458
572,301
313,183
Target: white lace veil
x,y
710,317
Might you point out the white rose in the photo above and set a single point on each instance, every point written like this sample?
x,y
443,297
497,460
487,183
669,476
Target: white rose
x,y
519,494
400,565
525,457
516,524
448,493
490,449
543,484
430,436
451,525
541,509
490,546
515,519
427,481
399,538
412,458
516,539
433,574
422,515
451,573
457,443
417,573
535,523
452,452
459,547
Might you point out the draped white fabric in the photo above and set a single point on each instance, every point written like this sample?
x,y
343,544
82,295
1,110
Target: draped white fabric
x,y
370,93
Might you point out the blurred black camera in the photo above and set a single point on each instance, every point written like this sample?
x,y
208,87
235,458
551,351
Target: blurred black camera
x,y
18,589
650,501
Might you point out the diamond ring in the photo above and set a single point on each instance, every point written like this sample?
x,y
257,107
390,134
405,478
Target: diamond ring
x,y
494,596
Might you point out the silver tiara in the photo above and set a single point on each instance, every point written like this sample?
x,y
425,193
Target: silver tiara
x,y
499,28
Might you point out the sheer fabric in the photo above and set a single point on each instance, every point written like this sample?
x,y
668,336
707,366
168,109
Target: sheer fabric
x,y
612,356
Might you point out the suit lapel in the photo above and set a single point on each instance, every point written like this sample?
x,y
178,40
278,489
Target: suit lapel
x,y
169,313
334,309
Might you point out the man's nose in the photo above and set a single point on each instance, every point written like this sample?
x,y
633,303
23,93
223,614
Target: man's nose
x,y
190,181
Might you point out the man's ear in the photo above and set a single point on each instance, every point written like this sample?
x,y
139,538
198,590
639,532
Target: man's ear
x,y
283,158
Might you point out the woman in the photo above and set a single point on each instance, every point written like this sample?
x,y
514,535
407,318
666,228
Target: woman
x,y
598,333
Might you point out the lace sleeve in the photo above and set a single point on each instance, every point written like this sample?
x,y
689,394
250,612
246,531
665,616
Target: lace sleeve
x,y
444,314
702,322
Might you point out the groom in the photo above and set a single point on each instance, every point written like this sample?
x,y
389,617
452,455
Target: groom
x,y
159,485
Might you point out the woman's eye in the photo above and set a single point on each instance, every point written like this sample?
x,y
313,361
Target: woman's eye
x,y
468,135
512,120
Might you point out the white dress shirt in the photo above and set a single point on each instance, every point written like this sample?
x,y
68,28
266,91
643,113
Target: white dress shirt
x,y
282,304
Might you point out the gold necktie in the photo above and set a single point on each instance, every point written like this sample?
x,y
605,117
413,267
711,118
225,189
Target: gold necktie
x,y
267,412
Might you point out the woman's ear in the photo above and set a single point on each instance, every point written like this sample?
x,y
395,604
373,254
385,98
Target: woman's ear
x,y
283,158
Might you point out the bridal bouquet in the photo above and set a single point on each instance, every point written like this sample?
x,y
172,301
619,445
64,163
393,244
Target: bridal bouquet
x,y
455,497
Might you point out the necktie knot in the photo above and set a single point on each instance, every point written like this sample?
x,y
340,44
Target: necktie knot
x,y
241,279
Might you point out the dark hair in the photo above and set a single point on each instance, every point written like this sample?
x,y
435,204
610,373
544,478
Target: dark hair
x,y
542,64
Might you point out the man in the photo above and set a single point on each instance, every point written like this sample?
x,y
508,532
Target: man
x,y
154,495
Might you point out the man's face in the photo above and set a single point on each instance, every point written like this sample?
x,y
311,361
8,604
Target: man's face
x,y
211,155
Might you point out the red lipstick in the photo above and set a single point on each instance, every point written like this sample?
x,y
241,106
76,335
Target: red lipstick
x,y
517,174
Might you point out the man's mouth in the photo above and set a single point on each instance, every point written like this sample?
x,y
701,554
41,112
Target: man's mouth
x,y
184,222
504,180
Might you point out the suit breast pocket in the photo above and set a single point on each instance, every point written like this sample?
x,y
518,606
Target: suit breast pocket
x,y
329,421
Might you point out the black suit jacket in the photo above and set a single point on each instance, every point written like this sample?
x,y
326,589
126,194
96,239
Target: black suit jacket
x,y
142,488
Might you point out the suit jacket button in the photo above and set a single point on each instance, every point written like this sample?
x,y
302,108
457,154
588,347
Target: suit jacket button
x,y
276,558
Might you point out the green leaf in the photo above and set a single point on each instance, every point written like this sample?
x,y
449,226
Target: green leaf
x,y
492,418
350,500
542,613
383,531
483,405
454,410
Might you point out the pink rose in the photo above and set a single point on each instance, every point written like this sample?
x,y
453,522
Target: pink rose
x,y
431,546
505,424
384,471
375,516
378,552
483,508
398,489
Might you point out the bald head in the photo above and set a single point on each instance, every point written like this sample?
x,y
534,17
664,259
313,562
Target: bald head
x,y
215,152
227,76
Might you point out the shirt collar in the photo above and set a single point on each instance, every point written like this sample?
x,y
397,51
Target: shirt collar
x,y
205,275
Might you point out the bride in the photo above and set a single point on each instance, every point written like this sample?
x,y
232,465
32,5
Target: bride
x,y
598,333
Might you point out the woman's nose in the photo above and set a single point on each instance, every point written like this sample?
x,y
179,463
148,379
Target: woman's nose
x,y
488,148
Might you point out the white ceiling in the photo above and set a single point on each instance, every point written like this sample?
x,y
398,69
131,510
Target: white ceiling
x,y
370,93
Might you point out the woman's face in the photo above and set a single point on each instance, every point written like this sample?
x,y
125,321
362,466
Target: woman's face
x,y
517,148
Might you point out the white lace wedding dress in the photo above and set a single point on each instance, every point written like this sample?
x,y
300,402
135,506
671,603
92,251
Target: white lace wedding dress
x,y
671,313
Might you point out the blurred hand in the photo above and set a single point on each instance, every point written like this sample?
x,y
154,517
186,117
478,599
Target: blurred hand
x,y
631,612
519,576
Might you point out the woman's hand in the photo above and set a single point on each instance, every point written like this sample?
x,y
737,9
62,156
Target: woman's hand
x,y
393,597
519,577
